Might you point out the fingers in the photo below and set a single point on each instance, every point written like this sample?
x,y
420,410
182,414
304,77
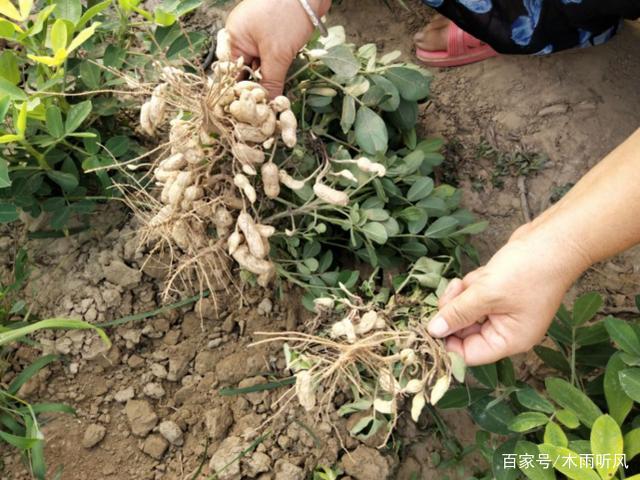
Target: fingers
x,y
467,308
274,68
487,345
455,288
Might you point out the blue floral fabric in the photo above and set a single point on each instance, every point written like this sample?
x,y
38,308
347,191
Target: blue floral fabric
x,y
538,27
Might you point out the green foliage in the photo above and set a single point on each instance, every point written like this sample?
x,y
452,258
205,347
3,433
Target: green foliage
x,y
19,420
352,103
60,123
588,408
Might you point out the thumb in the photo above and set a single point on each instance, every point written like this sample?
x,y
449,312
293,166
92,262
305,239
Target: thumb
x,y
462,311
274,68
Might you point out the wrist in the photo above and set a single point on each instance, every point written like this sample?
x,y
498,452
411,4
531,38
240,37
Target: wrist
x,y
554,245
321,7
313,10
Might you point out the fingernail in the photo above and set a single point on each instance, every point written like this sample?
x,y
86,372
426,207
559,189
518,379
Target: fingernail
x,y
438,327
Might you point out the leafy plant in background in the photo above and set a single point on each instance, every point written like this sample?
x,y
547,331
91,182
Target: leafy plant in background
x,y
60,123
19,420
588,410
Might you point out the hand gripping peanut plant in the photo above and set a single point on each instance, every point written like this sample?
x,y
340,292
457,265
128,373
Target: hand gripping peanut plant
x,y
304,188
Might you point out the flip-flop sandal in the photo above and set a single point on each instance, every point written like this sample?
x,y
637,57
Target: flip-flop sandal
x,y
462,49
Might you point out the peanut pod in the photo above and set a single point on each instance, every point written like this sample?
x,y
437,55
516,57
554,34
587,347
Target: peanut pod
x,y
223,46
271,180
249,133
280,104
242,182
290,182
251,234
174,162
234,241
250,263
145,119
288,127
331,195
247,155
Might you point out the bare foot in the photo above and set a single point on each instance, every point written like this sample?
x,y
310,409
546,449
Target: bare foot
x,y
433,37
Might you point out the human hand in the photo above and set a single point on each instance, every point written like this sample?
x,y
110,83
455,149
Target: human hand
x,y
507,306
271,32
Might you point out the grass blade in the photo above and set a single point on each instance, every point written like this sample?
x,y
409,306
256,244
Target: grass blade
x,y
260,387
29,372
52,323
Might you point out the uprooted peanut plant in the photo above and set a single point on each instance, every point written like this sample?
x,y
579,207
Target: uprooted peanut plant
x,y
306,188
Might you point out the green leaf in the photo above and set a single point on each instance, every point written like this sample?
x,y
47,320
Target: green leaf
x,y
348,113
618,401
5,103
9,69
342,61
413,214
506,373
569,397
59,35
405,117
554,435
494,419
92,12
630,382
5,181
458,366
354,407
422,188
376,214
376,232
568,418
76,115
606,439
567,462
392,102
412,84
54,121
9,89
371,132
441,228
486,374
414,249
8,213
68,10
528,455
21,120
585,308
166,19
632,444
527,421
474,228
531,399
552,358
501,469
462,397
90,74
623,334
67,181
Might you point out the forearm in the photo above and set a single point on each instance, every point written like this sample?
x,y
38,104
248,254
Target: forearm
x,y
599,216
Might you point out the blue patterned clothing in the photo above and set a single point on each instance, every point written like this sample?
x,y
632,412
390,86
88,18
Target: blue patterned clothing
x,y
538,27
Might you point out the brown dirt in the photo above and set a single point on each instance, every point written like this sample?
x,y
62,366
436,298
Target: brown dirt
x,y
573,107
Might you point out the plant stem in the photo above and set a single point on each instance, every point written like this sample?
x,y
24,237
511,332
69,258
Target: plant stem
x,y
35,154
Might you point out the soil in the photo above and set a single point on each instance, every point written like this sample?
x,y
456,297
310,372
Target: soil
x,y
150,407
